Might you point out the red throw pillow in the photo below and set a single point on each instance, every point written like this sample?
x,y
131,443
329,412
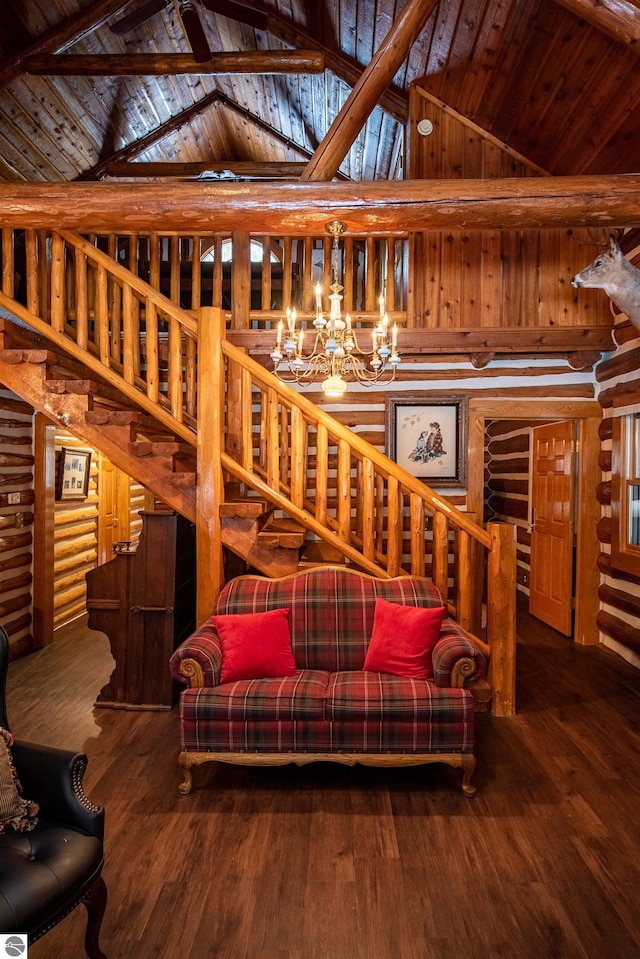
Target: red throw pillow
x,y
255,645
403,638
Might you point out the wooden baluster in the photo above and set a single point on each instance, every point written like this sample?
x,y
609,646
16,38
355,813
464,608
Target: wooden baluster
x,y
394,527
368,509
470,562
298,445
264,425
190,379
174,281
286,272
381,489
322,472
343,491
115,305
196,274
102,315
273,441
265,298
347,274
57,283
33,287
134,266
246,453
284,447
371,294
82,306
440,561
129,330
389,285
501,617
8,265
308,286
357,501
152,356
418,551
154,261
175,370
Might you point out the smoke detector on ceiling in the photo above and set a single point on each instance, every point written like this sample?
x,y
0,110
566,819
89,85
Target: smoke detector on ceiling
x,y
425,127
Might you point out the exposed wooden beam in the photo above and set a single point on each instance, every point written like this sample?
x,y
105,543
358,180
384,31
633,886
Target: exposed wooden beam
x,y
365,95
300,208
175,123
619,19
171,64
247,169
63,35
393,100
155,136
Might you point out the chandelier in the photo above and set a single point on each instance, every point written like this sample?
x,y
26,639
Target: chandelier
x,y
336,352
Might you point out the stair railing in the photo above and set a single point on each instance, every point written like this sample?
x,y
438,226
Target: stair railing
x,y
105,317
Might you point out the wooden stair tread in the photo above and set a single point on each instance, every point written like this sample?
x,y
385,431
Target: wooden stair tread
x,y
284,532
249,508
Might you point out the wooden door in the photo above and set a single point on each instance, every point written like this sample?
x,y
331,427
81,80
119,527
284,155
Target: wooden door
x,y
552,500
114,516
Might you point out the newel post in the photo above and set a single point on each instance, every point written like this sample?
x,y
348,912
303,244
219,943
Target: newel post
x,y
210,492
501,617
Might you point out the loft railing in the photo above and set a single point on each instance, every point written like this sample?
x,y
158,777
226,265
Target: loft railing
x,y
249,426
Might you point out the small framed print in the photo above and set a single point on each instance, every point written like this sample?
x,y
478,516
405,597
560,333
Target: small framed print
x,y
73,474
426,434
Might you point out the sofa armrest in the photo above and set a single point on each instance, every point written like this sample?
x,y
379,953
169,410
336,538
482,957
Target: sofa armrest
x,y
53,778
198,660
457,659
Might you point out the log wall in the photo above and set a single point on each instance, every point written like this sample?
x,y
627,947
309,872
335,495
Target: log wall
x,y
16,521
507,488
618,378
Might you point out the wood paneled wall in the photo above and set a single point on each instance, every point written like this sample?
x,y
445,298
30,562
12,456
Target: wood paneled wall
x,y
75,541
489,278
16,520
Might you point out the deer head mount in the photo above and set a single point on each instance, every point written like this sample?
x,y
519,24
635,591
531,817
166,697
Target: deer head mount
x,y
620,279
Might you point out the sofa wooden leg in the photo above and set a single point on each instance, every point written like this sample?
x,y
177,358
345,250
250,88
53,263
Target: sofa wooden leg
x,y
184,788
468,765
95,903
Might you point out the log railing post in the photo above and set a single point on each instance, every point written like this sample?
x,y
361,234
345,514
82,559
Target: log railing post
x,y
210,446
501,617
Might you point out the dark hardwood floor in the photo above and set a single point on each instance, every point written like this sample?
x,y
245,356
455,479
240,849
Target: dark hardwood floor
x,y
325,862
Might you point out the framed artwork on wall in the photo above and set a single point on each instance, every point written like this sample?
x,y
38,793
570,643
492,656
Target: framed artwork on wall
x,y
73,474
426,434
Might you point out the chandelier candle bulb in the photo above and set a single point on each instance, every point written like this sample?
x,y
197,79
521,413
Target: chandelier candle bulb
x,y
394,337
335,353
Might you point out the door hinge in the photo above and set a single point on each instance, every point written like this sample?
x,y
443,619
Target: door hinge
x,y
575,446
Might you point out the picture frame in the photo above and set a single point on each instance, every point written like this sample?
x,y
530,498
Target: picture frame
x,y
426,434
72,481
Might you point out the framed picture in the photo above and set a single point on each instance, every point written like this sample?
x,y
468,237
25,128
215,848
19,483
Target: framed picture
x,y
73,474
426,434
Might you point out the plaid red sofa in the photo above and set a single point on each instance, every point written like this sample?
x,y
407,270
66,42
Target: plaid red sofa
x,y
330,709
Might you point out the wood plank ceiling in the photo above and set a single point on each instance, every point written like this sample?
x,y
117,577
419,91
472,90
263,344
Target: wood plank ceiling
x,y
562,90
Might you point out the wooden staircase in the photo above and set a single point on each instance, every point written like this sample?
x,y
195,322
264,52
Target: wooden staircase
x,y
169,400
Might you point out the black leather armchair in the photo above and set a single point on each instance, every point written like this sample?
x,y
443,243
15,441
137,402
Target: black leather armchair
x,y
46,873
